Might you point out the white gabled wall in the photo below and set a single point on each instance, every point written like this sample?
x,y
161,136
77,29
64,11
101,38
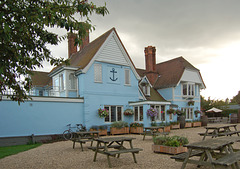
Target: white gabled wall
x,y
191,76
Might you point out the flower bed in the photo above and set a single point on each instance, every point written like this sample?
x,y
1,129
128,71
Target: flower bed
x,y
188,124
197,124
136,128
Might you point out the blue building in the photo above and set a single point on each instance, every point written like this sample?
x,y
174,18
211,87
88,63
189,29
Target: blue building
x,y
102,75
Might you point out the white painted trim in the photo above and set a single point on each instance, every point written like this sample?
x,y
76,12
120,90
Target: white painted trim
x,y
52,99
58,70
148,102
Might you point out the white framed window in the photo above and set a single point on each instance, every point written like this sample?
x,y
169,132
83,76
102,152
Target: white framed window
x,y
98,73
72,82
161,112
188,113
61,82
127,76
188,90
138,113
146,89
115,113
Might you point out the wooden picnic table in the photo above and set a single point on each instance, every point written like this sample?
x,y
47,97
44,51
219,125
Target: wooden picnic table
x,y
211,152
118,144
220,131
84,136
154,130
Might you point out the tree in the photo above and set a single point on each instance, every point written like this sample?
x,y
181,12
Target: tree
x,y
23,37
236,99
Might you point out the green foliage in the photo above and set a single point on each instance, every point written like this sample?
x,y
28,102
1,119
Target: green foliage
x,y
119,124
174,122
10,150
236,99
24,37
135,124
174,141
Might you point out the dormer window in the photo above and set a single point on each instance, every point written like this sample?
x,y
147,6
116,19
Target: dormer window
x,y
188,90
146,89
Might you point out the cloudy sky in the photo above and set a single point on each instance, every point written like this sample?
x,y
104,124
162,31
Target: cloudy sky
x,y
204,32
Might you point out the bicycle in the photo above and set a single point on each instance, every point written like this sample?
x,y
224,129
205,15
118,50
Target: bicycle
x,y
68,134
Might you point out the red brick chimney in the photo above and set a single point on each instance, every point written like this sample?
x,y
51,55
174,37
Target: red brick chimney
x,y
85,41
150,62
71,41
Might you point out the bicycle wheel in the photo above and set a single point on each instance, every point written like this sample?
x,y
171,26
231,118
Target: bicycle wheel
x,y
67,135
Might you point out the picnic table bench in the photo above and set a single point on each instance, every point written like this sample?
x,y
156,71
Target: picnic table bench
x,y
118,144
84,136
213,152
220,131
154,130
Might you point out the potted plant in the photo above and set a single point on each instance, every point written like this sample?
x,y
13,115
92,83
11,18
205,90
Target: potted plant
x,y
152,113
128,112
169,145
102,113
196,112
188,124
191,103
175,125
181,118
136,127
197,123
171,111
119,127
102,130
167,127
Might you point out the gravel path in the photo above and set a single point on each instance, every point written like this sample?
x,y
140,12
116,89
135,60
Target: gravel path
x,y
61,155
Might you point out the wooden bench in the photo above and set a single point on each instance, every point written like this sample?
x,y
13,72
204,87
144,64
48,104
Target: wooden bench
x,y
102,147
228,160
230,133
182,156
132,150
81,141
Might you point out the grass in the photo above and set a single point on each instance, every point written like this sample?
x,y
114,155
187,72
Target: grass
x,y
11,150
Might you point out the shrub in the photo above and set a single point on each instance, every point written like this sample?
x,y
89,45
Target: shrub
x,y
119,124
136,125
174,141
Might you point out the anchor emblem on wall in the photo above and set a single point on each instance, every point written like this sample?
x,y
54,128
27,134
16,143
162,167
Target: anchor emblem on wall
x,y
113,72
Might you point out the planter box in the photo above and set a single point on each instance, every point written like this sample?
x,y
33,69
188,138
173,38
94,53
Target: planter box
x,y
167,129
175,126
138,130
168,150
188,124
101,132
197,124
124,130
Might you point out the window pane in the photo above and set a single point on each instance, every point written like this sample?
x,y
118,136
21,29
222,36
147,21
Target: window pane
x,y
107,118
163,113
97,72
141,113
119,113
135,113
127,76
184,89
113,113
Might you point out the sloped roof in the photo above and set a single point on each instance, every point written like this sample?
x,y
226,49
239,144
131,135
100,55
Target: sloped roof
x,y
155,96
170,72
40,79
84,56
81,58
